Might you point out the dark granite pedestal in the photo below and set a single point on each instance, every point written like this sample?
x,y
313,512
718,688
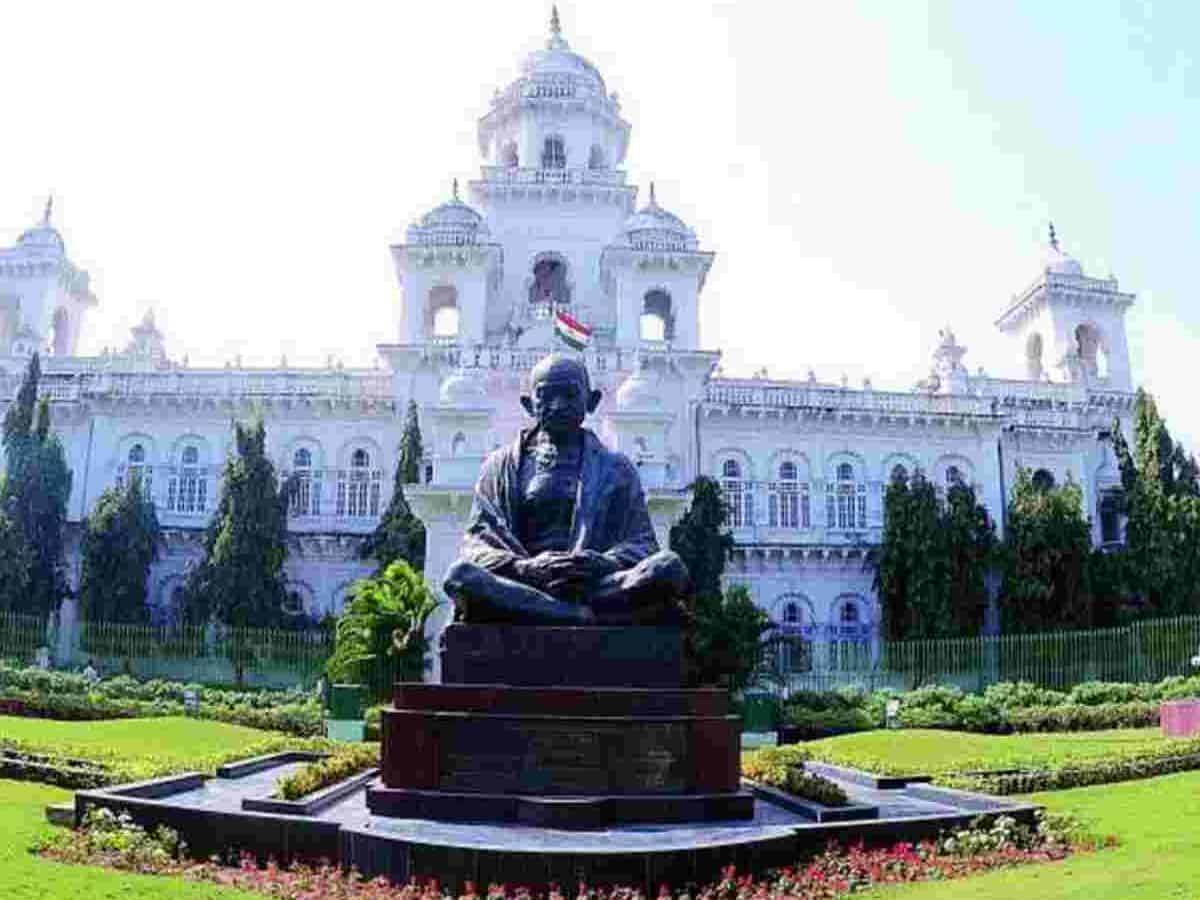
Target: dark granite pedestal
x,y
561,727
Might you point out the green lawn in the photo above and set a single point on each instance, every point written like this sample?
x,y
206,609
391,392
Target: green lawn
x,y
24,876
139,748
912,751
1157,822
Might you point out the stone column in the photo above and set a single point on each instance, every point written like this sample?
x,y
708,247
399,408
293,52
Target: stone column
x,y
444,511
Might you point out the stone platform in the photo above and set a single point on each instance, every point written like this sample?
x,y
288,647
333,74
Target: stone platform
x,y
557,737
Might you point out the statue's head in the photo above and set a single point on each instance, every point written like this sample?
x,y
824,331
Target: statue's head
x,y
560,394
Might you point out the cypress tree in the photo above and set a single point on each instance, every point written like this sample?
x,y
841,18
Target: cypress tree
x,y
240,581
34,495
701,539
121,540
400,535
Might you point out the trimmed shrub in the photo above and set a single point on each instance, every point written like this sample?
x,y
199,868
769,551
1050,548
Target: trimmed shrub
x,y
346,760
813,787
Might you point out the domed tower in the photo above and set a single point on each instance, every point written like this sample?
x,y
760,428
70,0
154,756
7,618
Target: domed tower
x,y
43,296
448,268
552,191
1071,327
655,272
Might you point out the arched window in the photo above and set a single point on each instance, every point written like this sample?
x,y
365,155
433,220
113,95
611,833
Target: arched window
x,y
738,498
658,320
794,652
441,312
305,481
549,288
1043,480
135,467
846,500
358,488
1033,357
849,645
596,158
1110,517
1089,344
61,340
554,153
169,608
788,501
187,492
508,155
459,445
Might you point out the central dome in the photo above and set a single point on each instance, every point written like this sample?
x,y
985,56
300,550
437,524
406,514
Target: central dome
x,y
558,62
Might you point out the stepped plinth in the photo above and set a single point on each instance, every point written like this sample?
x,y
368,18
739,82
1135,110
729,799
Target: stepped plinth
x,y
562,727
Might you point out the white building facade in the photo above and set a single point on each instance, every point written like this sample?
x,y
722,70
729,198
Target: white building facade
x,y
551,225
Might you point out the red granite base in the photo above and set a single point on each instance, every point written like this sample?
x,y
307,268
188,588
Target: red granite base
x,y
571,753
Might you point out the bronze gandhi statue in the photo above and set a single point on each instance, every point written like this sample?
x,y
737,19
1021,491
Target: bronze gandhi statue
x,y
559,533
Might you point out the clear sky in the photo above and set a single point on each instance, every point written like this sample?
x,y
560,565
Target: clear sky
x,y
867,172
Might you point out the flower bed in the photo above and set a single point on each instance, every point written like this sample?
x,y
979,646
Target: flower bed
x,y
112,840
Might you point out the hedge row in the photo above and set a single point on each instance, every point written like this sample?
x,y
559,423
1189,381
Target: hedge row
x,y
1001,709
63,695
1172,758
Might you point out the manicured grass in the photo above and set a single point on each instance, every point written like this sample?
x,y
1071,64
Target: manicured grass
x,y
912,751
177,742
24,876
1157,822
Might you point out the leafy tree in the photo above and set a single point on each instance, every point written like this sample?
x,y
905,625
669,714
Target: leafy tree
x,y
930,564
701,539
969,538
35,492
1159,481
14,565
411,450
728,638
121,540
384,621
911,575
240,580
1047,548
400,534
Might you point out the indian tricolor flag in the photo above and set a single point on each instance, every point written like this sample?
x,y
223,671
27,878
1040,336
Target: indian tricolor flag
x,y
572,331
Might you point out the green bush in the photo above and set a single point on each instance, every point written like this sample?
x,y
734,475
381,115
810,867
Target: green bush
x,y
813,787
1175,756
346,760
69,696
769,765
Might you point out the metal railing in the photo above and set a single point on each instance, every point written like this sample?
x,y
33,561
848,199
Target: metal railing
x,y
1145,651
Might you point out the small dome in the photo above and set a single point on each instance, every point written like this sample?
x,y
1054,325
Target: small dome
x,y
654,228
464,387
1058,262
42,237
453,222
638,393
559,66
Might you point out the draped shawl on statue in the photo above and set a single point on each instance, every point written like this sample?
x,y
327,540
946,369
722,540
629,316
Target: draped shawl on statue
x,y
610,508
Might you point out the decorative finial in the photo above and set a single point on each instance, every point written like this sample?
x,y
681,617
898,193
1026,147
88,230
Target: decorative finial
x,y
653,201
454,190
1053,237
49,209
556,40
